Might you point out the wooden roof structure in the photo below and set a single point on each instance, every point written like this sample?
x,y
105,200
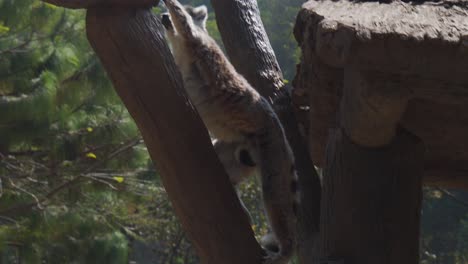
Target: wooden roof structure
x,y
373,68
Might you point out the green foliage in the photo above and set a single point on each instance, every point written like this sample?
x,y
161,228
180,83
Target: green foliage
x,y
65,235
65,138
462,241
76,182
279,18
444,233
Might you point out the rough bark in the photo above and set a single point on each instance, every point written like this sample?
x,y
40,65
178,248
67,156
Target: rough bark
x,y
247,44
249,49
309,182
135,55
369,113
371,201
320,86
414,50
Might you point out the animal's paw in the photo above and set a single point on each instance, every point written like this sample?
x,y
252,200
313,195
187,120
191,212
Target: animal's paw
x,y
270,243
272,252
271,257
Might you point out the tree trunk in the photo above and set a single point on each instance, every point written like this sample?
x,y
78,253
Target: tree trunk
x,y
309,182
132,48
249,50
371,201
247,44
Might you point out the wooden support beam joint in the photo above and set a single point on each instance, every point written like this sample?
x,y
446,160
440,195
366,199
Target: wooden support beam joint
x,y
370,108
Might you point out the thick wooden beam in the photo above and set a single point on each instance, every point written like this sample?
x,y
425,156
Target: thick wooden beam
x,y
402,50
321,86
370,110
132,48
372,179
371,201
78,4
437,175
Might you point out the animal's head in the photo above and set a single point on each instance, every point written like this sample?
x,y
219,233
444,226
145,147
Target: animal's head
x,y
198,14
238,159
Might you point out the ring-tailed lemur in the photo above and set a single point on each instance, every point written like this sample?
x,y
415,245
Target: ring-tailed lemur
x,y
235,113
237,158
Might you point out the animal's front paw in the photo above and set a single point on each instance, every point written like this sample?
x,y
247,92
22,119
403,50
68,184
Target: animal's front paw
x,y
271,257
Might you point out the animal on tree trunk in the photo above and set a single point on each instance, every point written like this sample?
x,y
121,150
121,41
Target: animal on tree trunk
x,y
249,135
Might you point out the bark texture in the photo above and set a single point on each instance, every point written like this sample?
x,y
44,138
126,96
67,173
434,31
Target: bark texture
x,y
132,48
76,4
371,201
249,49
247,44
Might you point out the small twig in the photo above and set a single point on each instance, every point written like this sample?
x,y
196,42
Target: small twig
x,y
36,181
38,202
30,39
75,180
8,219
114,154
19,48
176,246
14,244
101,181
452,196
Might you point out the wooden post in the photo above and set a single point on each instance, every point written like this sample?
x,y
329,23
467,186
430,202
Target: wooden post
x,y
372,179
371,201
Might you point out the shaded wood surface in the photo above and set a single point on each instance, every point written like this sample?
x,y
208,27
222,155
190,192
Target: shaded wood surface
x,y
413,50
250,51
309,182
371,201
77,4
132,48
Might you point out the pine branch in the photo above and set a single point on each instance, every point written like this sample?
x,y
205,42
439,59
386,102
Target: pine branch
x,y
39,203
453,197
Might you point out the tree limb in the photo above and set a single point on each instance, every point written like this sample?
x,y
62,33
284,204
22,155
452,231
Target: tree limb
x,y
247,44
249,49
131,46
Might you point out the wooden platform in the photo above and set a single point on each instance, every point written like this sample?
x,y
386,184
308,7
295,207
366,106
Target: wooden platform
x,y
407,65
